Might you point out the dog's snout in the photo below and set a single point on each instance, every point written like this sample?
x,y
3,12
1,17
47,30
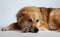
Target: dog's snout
x,y
36,29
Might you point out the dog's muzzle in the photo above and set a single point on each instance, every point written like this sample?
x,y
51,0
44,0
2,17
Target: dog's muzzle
x,y
34,30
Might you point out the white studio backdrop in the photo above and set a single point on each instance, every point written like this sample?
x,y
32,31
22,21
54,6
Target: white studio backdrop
x,y
9,8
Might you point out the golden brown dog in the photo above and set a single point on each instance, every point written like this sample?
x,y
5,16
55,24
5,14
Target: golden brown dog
x,y
32,19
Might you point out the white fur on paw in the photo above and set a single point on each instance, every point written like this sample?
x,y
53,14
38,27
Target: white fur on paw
x,y
5,29
26,29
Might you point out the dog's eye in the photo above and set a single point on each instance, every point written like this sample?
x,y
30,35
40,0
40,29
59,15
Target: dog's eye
x,y
37,20
30,20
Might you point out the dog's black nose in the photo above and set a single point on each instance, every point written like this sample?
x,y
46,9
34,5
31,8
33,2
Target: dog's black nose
x,y
36,30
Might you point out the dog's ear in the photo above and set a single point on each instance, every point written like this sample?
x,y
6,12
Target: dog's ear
x,y
43,9
44,12
50,9
20,14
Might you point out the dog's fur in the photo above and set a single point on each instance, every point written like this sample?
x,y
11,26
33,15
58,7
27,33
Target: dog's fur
x,y
39,17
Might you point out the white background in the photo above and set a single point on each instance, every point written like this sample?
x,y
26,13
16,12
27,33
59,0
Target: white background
x,y
9,8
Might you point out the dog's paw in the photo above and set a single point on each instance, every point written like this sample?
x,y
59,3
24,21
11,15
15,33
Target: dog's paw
x,y
26,29
4,29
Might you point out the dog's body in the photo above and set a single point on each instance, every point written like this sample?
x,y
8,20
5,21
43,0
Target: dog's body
x,y
36,18
54,19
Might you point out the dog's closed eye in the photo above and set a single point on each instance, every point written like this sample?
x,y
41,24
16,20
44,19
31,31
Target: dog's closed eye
x,y
37,20
30,20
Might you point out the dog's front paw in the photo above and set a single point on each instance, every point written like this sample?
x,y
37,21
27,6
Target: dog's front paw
x,y
26,29
4,29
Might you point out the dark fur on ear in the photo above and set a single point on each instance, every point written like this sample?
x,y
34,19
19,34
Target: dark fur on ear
x,y
45,13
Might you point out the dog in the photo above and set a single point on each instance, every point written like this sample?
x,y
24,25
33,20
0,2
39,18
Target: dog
x,y
34,19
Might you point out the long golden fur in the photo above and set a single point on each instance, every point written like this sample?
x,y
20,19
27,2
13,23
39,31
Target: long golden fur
x,y
32,17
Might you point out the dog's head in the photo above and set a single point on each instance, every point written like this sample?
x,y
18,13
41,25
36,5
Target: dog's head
x,y
29,17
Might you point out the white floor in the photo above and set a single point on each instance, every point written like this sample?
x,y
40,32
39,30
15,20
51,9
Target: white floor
x,y
14,33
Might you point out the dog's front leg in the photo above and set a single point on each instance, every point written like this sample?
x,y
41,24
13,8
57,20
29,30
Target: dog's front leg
x,y
10,27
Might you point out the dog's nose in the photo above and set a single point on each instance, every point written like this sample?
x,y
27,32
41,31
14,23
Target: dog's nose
x,y
36,30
